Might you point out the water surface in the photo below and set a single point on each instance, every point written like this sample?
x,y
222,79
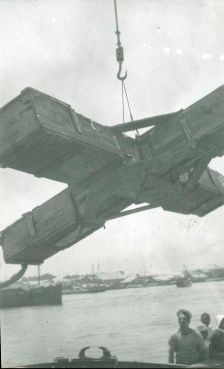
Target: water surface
x,y
134,324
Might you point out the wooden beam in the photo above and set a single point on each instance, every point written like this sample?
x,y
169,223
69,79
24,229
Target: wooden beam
x,y
143,123
132,211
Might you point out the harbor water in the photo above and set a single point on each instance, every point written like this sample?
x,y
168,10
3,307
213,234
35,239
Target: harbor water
x,y
134,324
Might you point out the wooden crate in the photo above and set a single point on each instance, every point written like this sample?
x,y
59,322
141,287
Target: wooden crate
x,y
47,229
207,196
46,137
189,134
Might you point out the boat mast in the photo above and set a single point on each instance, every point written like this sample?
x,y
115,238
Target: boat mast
x,y
38,275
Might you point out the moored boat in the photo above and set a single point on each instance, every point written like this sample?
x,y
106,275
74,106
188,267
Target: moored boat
x,y
16,296
185,280
80,290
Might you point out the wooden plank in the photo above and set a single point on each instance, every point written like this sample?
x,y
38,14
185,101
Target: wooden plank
x,y
143,123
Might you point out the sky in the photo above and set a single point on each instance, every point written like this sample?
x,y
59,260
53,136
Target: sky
x,y
174,55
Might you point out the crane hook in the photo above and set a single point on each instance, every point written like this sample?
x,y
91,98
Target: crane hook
x,y
119,49
119,73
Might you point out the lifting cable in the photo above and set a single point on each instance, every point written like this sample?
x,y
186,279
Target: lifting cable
x,y
120,59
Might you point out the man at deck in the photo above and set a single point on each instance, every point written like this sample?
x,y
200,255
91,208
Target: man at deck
x,y
217,339
186,344
206,319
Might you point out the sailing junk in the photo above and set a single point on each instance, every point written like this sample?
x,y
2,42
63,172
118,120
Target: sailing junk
x,y
106,171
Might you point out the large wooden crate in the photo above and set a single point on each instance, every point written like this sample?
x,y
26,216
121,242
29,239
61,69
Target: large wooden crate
x,y
190,134
46,137
207,196
47,229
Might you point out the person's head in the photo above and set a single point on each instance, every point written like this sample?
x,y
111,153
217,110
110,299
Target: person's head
x,y
220,321
205,319
184,318
203,330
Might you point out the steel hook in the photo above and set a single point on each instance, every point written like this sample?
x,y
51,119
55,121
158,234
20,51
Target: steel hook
x,y
119,73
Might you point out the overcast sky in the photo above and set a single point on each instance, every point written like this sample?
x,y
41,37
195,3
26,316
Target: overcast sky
x,y
174,54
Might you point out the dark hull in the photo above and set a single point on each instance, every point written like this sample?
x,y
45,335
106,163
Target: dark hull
x,y
84,290
77,363
19,297
183,283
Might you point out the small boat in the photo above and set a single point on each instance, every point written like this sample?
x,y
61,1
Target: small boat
x,y
16,296
81,290
96,289
185,280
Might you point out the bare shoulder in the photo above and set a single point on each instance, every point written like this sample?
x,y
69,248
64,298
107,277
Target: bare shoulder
x,y
195,332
